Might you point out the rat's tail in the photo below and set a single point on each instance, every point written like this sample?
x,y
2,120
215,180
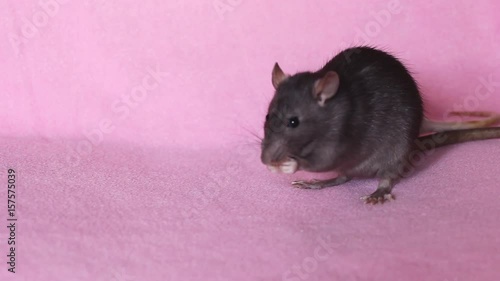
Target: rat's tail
x,y
490,119
453,137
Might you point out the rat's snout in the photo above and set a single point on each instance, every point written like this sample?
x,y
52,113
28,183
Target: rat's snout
x,y
272,152
274,156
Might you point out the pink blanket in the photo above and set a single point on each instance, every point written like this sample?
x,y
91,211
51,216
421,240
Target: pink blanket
x,y
129,128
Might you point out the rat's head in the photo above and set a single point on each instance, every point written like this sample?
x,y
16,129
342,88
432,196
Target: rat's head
x,y
297,119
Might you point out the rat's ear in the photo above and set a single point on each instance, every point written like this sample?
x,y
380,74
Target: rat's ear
x,y
278,76
326,87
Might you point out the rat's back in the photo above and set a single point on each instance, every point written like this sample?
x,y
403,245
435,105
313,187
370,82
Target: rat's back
x,y
386,109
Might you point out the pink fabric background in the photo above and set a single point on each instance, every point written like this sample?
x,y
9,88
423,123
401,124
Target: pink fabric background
x,y
172,187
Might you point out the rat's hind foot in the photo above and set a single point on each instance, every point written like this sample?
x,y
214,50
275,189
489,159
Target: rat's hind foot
x,y
317,184
382,194
378,196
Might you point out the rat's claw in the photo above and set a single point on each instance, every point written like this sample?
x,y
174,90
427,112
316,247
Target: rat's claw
x,y
389,197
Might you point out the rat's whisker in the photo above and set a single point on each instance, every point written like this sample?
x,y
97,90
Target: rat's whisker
x,y
253,134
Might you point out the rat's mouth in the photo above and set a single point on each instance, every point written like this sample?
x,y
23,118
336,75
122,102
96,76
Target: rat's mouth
x,y
289,166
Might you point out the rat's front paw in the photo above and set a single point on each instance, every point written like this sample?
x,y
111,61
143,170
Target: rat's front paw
x,y
312,184
289,166
379,196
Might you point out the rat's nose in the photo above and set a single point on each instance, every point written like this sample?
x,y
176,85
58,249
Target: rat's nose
x,y
282,164
265,156
272,153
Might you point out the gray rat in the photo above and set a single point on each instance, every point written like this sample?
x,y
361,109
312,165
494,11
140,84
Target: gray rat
x,y
362,116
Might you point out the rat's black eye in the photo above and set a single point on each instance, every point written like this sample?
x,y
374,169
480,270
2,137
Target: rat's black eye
x,y
293,122
267,117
